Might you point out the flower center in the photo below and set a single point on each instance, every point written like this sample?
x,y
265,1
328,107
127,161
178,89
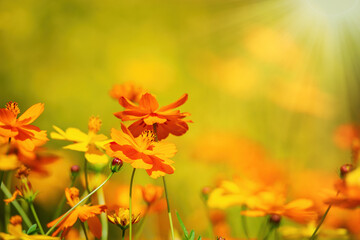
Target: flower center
x,y
146,139
13,107
94,124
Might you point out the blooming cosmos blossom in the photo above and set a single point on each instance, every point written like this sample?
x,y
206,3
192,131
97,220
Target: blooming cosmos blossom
x,y
142,152
84,213
90,143
16,232
19,129
121,218
148,113
268,203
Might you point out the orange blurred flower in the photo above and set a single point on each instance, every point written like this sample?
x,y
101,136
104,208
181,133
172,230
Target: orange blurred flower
x,y
142,152
151,193
348,196
148,113
25,189
128,90
84,213
345,135
268,203
19,129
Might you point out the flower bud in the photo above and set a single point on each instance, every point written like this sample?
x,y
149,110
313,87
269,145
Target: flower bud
x,y
75,169
345,169
116,165
205,192
275,219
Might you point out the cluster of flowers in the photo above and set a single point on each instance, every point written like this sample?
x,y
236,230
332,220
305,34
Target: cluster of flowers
x,y
260,191
142,145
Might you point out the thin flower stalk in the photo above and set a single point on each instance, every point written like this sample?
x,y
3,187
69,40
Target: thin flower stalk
x,y
17,206
80,202
130,203
313,236
103,218
84,230
166,193
32,208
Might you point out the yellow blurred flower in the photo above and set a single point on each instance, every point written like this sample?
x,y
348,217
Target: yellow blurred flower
x,y
91,143
16,232
121,217
301,232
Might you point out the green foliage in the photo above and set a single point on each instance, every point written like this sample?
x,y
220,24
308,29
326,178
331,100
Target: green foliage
x,y
33,229
187,236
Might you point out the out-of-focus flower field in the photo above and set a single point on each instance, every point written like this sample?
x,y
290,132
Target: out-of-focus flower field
x,y
248,109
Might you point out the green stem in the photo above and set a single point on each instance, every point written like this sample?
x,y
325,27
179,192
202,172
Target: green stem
x,y
103,218
262,228
7,209
166,194
36,217
168,209
313,236
123,234
86,177
268,233
244,223
141,227
84,229
130,204
80,202
17,206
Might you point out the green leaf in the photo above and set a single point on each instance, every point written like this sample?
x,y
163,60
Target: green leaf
x,y
192,235
182,225
32,229
199,238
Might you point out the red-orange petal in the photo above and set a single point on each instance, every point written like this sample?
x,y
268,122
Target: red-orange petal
x,y
148,102
175,104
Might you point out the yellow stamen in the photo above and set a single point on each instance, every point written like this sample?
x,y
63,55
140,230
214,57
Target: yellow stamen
x,y
94,124
13,107
146,139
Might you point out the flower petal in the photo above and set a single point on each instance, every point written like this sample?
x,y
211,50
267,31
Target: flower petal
x,y
175,104
148,102
31,114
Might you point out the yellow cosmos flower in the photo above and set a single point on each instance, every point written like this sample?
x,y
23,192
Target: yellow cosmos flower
x,y
121,218
91,143
301,232
9,162
16,232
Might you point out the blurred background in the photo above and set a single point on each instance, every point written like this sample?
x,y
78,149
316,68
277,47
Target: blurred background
x,y
267,78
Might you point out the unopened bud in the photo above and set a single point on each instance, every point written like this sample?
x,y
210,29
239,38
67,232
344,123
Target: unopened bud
x,y
75,169
345,169
116,165
205,192
275,219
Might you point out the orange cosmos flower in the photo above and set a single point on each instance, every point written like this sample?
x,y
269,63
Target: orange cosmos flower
x,y
127,90
148,113
268,203
84,213
151,193
19,129
142,152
